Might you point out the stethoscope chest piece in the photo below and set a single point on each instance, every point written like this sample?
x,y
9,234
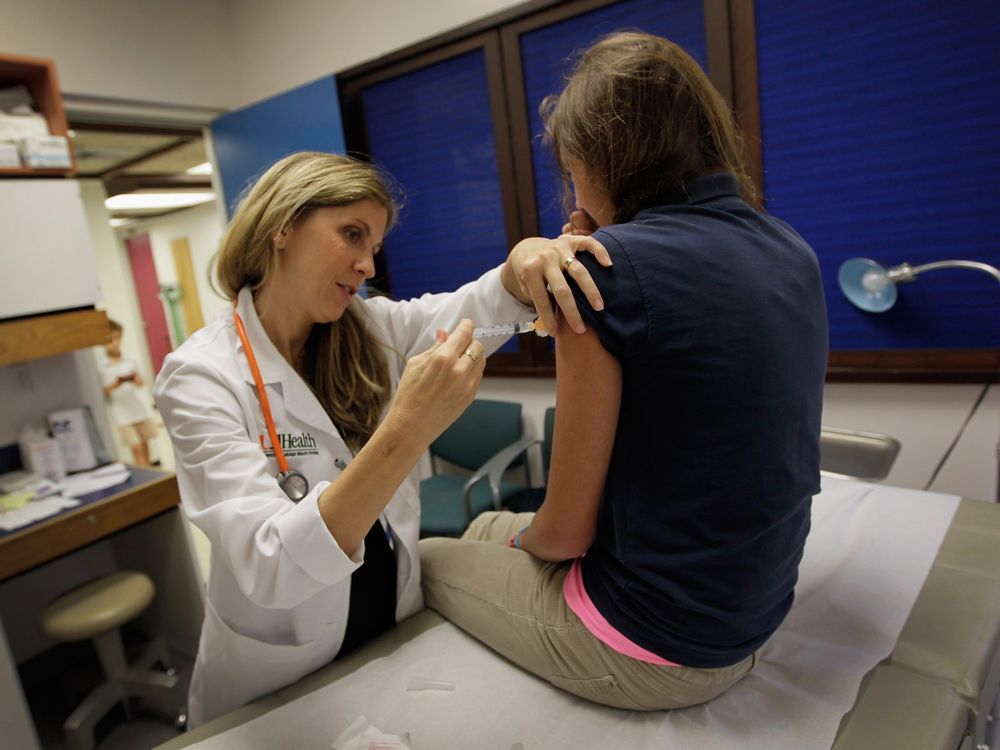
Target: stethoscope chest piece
x,y
294,484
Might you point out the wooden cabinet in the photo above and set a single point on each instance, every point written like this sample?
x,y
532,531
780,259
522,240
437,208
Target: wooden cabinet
x,y
39,76
47,335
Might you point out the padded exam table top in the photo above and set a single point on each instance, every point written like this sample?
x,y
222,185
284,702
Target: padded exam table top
x,y
933,692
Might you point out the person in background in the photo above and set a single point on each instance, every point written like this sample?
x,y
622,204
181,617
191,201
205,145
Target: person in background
x,y
686,444
299,416
129,403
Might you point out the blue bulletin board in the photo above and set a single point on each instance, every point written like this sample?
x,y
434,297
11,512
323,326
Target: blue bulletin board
x,y
880,125
249,140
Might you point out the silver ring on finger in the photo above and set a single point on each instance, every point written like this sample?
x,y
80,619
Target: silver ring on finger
x,y
472,355
568,262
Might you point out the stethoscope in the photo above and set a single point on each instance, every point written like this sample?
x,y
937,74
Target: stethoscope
x,y
293,483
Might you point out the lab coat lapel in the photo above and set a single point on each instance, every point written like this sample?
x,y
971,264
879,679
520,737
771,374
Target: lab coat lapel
x,y
272,365
299,400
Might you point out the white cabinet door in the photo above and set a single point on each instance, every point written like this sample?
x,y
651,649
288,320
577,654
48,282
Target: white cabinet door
x,y
46,259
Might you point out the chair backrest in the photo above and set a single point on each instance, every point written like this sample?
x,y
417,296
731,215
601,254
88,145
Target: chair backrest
x,y
481,432
550,423
861,455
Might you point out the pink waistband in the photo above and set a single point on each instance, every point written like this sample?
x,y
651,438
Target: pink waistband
x,y
579,601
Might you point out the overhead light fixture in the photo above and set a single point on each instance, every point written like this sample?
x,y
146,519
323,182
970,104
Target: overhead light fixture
x,y
117,223
872,288
156,200
203,168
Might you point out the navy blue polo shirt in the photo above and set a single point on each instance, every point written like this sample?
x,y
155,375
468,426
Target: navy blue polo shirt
x,y
716,313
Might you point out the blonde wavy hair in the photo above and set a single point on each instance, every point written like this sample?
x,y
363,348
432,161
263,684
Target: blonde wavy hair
x,y
343,363
640,113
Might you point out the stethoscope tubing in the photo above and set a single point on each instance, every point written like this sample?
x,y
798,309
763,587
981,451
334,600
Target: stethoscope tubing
x,y
265,407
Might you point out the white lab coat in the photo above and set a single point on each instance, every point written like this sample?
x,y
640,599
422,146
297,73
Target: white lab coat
x,y
278,592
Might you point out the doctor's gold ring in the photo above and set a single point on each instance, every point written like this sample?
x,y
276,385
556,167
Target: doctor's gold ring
x,y
570,260
471,355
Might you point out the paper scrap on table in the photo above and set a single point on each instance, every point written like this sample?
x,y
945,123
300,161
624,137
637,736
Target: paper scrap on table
x,y
15,500
86,482
361,735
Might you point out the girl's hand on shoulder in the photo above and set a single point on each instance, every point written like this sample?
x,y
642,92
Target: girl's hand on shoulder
x,y
438,384
537,268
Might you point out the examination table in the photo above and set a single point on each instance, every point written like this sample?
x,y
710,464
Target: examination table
x,y
893,642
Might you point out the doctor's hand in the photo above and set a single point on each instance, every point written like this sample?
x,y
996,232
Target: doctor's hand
x,y
538,266
439,384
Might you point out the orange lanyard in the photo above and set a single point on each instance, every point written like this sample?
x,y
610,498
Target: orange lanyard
x,y
265,406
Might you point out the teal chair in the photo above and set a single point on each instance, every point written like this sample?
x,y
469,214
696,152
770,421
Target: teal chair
x,y
486,440
550,424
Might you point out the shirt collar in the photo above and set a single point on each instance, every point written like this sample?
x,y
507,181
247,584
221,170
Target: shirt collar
x,y
699,190
273,367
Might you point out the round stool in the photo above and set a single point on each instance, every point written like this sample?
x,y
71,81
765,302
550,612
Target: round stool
x,y
95,611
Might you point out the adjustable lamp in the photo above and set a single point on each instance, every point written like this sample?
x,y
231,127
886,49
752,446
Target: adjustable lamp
x,y
872,288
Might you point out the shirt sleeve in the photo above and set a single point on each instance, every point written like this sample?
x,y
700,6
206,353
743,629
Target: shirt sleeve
x,y
108,372
622,325
280,553
410,325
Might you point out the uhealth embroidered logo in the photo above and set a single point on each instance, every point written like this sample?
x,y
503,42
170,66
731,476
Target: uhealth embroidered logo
x,y
303,444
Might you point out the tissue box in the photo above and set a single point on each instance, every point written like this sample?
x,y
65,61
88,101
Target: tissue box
x,y
46,152
9,156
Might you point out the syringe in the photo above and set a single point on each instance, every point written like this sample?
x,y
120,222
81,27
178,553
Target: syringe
x,y
508,329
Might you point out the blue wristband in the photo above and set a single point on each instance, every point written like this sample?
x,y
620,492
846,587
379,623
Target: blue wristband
x,y
517,539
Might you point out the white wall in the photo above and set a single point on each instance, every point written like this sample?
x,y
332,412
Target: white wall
x,y
176,52
278,46
924,418
217,53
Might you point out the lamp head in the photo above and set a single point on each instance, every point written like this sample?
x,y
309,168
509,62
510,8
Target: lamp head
x,y
867,285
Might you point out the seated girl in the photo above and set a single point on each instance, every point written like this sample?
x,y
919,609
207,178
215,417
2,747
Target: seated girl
x,y
686,448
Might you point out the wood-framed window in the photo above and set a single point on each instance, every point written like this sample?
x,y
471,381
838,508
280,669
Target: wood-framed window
x,y
479,194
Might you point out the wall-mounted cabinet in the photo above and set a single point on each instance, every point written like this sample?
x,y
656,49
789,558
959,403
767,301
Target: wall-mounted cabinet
x,y
39,76
47,335
46,259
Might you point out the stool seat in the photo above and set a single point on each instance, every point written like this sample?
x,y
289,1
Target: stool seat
x,y
95,611
98,606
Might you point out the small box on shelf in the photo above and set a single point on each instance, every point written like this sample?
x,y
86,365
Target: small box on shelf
x,y
10,157
15,127
34,78
46,152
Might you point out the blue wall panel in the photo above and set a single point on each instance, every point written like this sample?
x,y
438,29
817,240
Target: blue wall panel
x,y
546,56
249,140
881,138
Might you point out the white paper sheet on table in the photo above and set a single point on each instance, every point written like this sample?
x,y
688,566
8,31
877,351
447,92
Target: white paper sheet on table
x,y
101,478
36,510
867,556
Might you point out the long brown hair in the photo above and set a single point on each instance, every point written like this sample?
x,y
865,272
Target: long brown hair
x,y
343,363
644,119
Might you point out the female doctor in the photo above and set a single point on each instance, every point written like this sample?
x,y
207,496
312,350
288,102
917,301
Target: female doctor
x,y
297,420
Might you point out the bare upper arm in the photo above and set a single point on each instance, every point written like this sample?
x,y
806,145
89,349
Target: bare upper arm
x,y
588,399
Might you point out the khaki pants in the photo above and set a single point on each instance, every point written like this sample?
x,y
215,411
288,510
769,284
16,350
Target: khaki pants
x,y
513,603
